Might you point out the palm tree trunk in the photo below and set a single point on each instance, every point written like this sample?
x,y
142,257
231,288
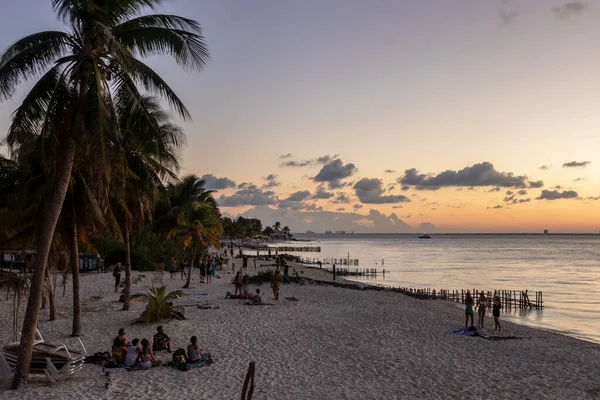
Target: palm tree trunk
x,y
74,247
50,289
189,277
44,241
127,266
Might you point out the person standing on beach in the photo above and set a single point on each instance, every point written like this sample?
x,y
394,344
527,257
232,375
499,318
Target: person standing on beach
x,y
469,309
496,306
481,308
117,275
254,264
275,284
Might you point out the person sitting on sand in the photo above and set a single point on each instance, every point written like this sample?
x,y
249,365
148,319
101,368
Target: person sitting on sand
x,y
147,359
496,312
133,352
119,347
257,298
469,309
481,309
161,340
194,352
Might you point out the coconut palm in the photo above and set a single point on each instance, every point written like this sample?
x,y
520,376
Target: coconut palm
x,y
86,71
198,225
147,158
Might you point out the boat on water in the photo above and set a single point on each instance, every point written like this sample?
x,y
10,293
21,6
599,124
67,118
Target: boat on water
x,y
424,236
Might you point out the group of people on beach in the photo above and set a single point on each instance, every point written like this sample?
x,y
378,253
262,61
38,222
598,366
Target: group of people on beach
x,y
481,308
141,353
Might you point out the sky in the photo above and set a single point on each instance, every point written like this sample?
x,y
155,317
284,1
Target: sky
x,y
386,115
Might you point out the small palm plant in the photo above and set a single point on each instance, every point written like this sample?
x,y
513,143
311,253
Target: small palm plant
x,y
159,304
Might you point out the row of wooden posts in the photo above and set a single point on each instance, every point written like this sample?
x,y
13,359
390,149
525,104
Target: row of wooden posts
x,y
330,261
508,298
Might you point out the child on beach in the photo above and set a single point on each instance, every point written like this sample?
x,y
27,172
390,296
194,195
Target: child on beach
x,y
496,306
481,308
469,309
133,353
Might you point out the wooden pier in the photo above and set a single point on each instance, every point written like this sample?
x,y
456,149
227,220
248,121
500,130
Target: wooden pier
x,y
365,272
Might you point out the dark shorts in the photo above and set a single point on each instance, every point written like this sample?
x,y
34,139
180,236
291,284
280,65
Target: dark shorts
x,y
496,313
117,280
467,313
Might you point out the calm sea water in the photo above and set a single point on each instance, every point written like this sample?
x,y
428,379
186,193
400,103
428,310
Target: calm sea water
x,y
566,268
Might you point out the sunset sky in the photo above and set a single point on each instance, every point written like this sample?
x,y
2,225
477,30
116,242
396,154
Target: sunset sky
x,y
389,115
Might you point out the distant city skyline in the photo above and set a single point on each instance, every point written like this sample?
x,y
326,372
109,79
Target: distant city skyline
x,y
388,116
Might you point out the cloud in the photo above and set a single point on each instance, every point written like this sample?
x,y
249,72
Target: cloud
x,y
248,195
212,182
357,206
481,174
370,191
508,16
271,181
556,195
299,196
545,167
391,187
317,220
593,198
495,189
405,188
340,209
578,179
342,198
495,207
522,192
568,9
509,193
389,171
333,172
576,164
321,193
397,207
307,163
284,156
295,200
536,184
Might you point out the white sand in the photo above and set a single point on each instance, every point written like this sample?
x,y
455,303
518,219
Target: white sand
x,y
332,344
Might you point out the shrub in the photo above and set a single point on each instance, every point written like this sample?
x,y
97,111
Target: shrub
x,y
159,304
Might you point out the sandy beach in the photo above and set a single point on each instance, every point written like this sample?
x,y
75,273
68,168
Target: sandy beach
x,y
332,343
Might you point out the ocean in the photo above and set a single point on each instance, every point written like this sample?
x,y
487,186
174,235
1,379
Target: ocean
x,y
566,268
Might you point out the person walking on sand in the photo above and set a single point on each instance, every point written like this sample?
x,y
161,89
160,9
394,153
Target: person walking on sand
x,y
254,264
481,308
117,275
468,309
496,306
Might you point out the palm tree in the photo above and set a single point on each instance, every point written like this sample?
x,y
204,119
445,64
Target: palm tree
x,y
88,69
277,226
147,159
199,225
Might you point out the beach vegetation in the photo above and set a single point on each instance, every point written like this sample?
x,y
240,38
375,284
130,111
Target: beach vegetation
x,y
159,304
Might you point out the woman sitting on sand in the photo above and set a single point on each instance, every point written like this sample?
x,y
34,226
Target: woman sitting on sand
x,y
133,352
481,308
119,347
469,309
194,352
147,359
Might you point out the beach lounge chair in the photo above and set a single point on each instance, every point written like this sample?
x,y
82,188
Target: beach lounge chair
x,y
55,361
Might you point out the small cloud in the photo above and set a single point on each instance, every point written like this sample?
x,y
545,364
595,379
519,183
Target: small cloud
x,y
397,207
370,191
509,192
558,187
405,188
334,171
522,192
593,198
576,164
357,206
508,16
212,182
271,181
389,171
568,9
339,209
536,184
284,156
495,189
321,193
557,195
495,207
578,179
545,167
